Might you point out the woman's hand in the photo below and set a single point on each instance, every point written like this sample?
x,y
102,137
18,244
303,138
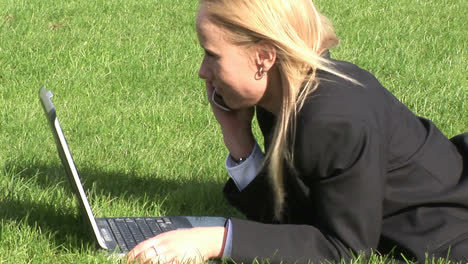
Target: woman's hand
x,y
236,126
194,245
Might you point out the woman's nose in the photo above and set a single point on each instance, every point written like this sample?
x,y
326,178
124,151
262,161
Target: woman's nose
x,y
203,73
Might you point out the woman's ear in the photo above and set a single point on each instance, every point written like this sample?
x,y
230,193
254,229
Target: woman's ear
x,y
265,55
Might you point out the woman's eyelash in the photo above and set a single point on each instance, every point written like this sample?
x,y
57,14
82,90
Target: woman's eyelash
x,y
209,54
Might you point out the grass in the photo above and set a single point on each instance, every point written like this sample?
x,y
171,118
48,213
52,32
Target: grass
x,y
135,114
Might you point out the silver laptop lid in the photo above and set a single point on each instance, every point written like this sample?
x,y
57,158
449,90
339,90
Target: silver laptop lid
x,y
68,163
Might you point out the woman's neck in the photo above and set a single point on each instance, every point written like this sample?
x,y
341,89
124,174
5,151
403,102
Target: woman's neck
x,y
273,97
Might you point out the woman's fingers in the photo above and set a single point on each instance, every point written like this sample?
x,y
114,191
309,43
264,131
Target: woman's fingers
x,y
144,251
148,255
192,245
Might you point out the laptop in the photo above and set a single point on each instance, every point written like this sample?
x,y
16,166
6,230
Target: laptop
x,y
116,234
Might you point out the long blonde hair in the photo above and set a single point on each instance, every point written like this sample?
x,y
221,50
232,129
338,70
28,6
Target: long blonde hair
x,y
300,34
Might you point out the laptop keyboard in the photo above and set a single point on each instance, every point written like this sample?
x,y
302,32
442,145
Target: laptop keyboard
x,y
131,231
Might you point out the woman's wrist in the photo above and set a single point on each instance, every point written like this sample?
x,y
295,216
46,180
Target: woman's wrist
x,y
219,239
241,150
239,144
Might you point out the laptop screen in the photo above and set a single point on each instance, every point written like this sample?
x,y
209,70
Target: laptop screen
x,y
68,162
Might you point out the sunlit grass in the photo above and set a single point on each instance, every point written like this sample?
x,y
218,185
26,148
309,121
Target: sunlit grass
x,y
124,75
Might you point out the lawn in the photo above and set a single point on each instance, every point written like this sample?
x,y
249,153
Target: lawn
x,y
125,78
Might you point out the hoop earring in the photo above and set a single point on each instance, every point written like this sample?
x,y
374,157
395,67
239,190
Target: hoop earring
x,y
260,73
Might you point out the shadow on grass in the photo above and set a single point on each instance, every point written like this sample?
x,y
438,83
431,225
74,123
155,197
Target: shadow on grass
x,y
190,198
67,228
124,185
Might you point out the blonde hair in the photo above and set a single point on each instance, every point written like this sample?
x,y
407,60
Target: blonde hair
x,y
300,34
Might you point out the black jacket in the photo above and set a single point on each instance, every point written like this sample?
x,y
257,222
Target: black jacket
x,y
368,175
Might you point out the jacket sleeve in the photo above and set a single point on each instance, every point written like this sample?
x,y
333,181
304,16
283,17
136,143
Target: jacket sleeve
x,y
343,164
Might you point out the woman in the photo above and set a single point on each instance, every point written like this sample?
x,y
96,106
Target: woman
x,y
348,168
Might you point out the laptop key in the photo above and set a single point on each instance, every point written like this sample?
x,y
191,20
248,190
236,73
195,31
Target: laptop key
x,y
117,235
134,230
126,234
153,226
164,227
144,228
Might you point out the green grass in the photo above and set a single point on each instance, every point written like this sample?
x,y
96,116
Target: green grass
x,y
124,75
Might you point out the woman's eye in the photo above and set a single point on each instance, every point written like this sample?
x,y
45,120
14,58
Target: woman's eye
x,y
209,54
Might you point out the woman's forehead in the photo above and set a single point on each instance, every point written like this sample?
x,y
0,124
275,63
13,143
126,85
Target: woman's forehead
x,y
202,24
202,18
207,31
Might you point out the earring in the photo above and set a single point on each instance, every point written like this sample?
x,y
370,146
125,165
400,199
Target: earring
x,y
260,73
